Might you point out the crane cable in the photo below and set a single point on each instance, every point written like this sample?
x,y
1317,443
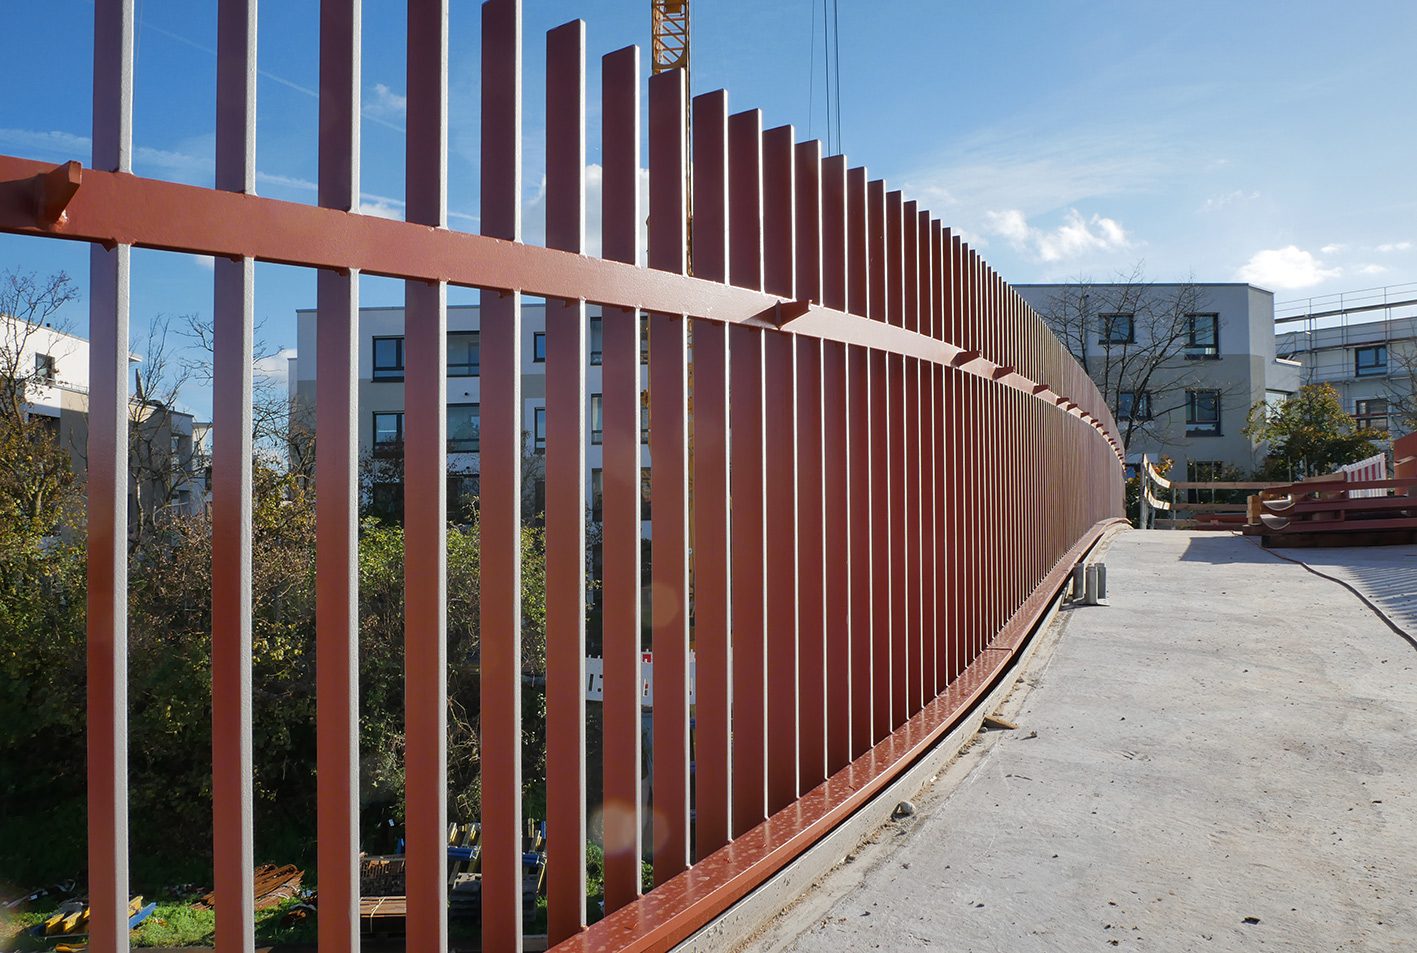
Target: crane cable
x,y
831,72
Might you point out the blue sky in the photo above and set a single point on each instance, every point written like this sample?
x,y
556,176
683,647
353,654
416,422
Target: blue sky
x,y
1261,141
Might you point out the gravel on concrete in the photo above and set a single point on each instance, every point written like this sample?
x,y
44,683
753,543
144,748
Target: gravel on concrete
x,y
1223,758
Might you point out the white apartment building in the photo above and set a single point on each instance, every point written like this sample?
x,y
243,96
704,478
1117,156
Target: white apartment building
x,y
381,397
169,448
1195,406
1372,364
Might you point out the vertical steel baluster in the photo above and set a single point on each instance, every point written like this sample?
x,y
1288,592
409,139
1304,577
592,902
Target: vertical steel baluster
x,y
337,494
882,608
710,501
811,551
780,422
747,478
565,493
232,313
859,429
621,216
910,457
839,519
107,571
895,463
425,492
500,478
669,481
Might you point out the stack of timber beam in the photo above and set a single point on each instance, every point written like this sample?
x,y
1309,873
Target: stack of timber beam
x,y
270,885
1334,510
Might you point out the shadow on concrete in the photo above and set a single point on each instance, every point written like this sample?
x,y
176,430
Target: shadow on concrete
x,y
1386,575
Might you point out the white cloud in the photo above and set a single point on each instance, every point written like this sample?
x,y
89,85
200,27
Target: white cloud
x,y
1285,268
1331,249
1075,237
1395,246
204,262
275,368
382,208
1372,269
1217,202
385,102
534,212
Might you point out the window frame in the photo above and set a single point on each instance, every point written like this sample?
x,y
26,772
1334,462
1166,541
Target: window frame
x,y
1365,417
1202,352
538,347
1374,370
1196,427
597,419
1107,335
385,446
538,428
595,340
477,436
376,373
475,366
46,368
1139,398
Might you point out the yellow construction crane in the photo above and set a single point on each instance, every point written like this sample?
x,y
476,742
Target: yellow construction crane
x,y
670,19
669,24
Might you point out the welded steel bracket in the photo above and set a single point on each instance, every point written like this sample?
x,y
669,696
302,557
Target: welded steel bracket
x,y
54,191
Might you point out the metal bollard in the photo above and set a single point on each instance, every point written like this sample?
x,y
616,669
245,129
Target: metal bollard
x,y
1075,592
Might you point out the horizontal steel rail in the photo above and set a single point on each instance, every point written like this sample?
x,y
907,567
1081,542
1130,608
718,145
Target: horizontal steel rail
x,y
894,466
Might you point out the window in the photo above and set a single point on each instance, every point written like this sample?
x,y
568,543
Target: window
x,y
1370,361
1371,413
44,367
597,492
464,425
644,418
464,354
388,432
1202,413
1118,329
644,338
538,347
538,432
597,418
1134,405
1202,336
388,359
644,493
597,341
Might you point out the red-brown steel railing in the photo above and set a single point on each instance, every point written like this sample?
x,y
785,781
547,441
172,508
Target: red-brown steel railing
x,y
895,465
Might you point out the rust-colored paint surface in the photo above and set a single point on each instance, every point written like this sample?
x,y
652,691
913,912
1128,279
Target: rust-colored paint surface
x,y
851,415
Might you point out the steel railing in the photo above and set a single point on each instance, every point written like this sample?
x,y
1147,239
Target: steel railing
x,y
894,466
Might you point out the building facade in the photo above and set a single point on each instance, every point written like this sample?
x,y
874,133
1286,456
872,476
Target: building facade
x,y
1182,365
1372,364
382,412
169,450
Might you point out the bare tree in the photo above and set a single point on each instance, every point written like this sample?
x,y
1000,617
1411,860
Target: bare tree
x,y
1402,390
1136,339
34,469
162,451
280,431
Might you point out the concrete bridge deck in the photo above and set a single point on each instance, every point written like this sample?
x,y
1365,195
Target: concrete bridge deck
x,y
1222,759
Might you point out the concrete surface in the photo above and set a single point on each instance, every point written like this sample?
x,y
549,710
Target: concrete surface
x,y
1224,759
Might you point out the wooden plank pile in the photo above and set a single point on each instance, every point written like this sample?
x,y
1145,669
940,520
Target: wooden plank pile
x,y
382,883
271,884
1338,510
